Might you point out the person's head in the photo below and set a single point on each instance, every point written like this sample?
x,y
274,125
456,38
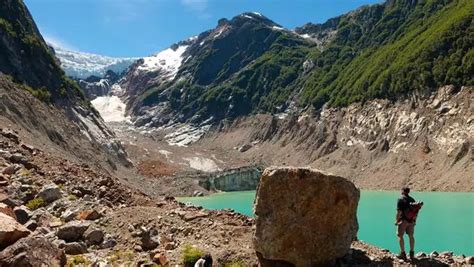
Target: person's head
x,y
405,190
207,257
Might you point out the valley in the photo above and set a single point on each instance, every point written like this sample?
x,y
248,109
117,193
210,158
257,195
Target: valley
x,y
126,161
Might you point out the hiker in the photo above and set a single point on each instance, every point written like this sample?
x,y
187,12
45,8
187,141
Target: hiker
x,y
204,261
407,211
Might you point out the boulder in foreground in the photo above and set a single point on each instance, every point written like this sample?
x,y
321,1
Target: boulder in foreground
x,y
32,251
10,231
304,217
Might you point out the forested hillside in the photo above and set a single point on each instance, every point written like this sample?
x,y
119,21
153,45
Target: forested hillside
x,y
251,65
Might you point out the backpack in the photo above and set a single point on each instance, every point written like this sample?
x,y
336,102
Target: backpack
x,y
413,210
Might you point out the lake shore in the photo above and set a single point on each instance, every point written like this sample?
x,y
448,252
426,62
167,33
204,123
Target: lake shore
x,y
377,227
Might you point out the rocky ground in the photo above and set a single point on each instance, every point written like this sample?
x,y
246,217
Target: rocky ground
x,y
58,212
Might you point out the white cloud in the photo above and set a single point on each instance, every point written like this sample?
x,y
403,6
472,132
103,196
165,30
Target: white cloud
x,y
200,7
58,42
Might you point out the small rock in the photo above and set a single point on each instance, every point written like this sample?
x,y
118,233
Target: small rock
x,y
11,202
50,193
72,231
5,154
9,170
69,214
434,254
198,194
31,225
421,255
446,254
18,158
149,242
5,209
10,135
89,215
75,248
169,246
161,259
22,214
94,237
28,148
469,260
10,231
244,148
109,242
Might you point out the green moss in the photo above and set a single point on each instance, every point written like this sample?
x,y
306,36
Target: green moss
x,y
191,254
7,27
42,93
35,203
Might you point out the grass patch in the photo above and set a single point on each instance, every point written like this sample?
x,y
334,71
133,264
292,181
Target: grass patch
x,y
121,258
35,203
235,264
77,260
191,254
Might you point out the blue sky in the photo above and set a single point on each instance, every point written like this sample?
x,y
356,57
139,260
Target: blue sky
x,y
143,27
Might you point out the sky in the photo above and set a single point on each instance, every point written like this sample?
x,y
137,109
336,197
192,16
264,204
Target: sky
x,y
136,28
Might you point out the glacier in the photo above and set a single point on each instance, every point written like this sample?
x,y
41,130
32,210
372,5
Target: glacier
x,y
82,65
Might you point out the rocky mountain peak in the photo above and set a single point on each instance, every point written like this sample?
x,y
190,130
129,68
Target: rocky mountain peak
x,y
253,17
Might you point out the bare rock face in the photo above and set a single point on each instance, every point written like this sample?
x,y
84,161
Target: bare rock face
x,y
32,251
304,217
10,231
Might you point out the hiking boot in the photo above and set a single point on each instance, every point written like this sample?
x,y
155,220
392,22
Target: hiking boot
x,y
402,256
412,255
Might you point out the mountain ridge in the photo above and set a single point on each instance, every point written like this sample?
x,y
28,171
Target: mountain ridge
x,y
310,66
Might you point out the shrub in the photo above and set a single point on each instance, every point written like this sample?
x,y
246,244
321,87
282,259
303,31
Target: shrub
x,y
235,264
77,260
35,203
191,254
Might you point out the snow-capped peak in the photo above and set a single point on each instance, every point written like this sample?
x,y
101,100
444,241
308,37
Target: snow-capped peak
x,y
82,65
168,61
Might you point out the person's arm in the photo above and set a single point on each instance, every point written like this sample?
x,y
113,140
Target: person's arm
x,y
398,217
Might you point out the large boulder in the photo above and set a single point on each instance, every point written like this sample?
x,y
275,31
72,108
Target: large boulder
x,y
72,231
50,193
304,217
32,251
10,231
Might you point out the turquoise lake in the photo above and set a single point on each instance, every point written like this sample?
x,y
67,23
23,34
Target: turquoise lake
x,y
446,222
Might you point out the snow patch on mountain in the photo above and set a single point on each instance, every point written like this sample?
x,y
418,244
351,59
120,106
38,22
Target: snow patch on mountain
x,y
82,65
168,61
111,108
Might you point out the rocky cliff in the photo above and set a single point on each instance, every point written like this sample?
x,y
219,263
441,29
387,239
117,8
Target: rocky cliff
x,y
424,141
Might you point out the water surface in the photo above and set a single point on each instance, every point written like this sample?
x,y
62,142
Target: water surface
x,y
446,222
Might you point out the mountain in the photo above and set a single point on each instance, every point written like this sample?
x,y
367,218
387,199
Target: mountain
x,y
210,66
82,65
39,100
250,65
26,58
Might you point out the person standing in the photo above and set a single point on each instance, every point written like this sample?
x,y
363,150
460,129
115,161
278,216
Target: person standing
x,y
405,222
